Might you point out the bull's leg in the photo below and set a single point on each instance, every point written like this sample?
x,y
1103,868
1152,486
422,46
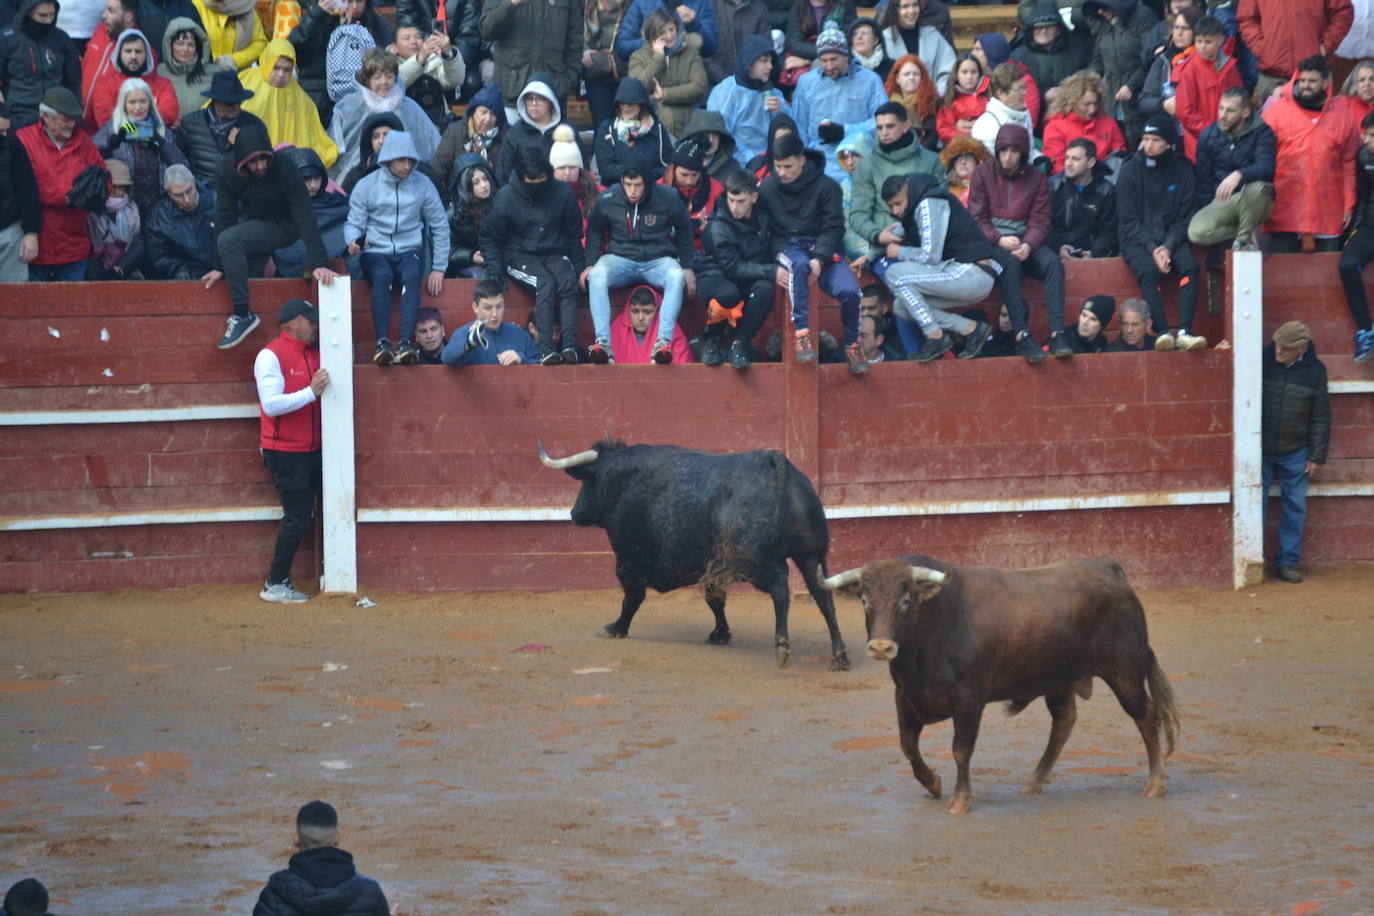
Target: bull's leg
x,y
715,600
909,728
634,587
1138,705
1064,709
773,580
967,718
810,569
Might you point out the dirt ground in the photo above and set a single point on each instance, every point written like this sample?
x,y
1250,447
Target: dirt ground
x,y
489,755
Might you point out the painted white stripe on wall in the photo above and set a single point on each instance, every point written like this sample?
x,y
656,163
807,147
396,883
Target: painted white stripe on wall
x,y
1247,385
338,498
511,514
1351,387
120,519
129,415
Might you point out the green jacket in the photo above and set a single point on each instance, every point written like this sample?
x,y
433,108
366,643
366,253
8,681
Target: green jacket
x,y
868,215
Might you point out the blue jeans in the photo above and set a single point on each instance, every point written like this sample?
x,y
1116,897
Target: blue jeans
x,y
58,273
382,271
1291,472
836,281
611,270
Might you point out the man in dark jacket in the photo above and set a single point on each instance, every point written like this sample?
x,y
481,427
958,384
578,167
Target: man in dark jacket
x,y
321,877
1122,29
20,209
531,235
35,56
1088,334
1235,175
735,19
1359,247
708,129
1154,202
647,236
1083,205
260,205
532,38
806,209
1049,52
331,213
179,231
737,283
1295,430
208,133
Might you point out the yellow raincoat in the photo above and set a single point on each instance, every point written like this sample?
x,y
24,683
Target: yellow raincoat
x,y
290,115
244,43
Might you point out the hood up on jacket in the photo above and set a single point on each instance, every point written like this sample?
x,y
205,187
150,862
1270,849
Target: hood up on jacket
x,y
310,165
250,141
489,97
463,168
149,57
1013,136
1122,9
704,121
27,6
632,92
919,186
964,145
860,143
373,121
751,49
397,145
176,27
776,124
541,84
996,47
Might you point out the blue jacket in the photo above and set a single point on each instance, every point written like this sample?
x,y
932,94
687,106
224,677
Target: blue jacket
x,y
631,37
848,101
393,213
746,116
510,337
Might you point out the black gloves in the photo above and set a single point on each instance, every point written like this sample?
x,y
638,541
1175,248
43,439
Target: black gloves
x,y
830,132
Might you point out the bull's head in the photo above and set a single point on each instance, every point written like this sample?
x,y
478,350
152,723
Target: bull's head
x,y
888,588
583,467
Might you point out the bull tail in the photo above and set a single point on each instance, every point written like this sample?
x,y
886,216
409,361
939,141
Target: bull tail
x,y
1166,708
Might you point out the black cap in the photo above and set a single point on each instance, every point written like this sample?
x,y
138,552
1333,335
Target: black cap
x,y
1104,307
225,87
294,308
1162,126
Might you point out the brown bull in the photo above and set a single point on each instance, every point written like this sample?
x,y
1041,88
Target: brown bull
x,y
957,638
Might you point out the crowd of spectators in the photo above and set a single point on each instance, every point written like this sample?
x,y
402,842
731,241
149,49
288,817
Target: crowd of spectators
x,y
737,147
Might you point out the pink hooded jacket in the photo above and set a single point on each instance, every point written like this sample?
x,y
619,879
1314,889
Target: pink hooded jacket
x,y
630,349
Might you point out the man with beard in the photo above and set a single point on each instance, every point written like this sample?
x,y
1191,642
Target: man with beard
x,y
130,56
1317,143
1154,201
531,235
35,56
1235,175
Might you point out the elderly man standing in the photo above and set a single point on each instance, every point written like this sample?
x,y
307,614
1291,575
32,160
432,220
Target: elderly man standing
x,y
59,152
290,382
179,231
1295,430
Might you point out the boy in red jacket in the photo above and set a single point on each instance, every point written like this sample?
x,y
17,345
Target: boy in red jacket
x,y
1203,77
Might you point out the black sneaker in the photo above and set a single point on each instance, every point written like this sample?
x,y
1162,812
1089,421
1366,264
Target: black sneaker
x,y
976,340
933,348
383,356
406,354
1059,347
569,356
1029,349
1290,574
739,355
551,358
599,353
711,354
236,328
663,352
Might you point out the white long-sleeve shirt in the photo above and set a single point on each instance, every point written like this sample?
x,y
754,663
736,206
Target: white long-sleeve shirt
x,y
272,387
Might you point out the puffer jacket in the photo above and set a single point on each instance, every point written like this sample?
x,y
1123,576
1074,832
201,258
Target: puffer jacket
x,y
656,227
550,225
995,198
1084,218
1121,44
1315,157
528,38
188,91
1154,204
967,106
1250,150
811,207
64,237
1295,409
393,213
279,196
739,250
321,882
1102,130
651,152
181,245
197,141
32,61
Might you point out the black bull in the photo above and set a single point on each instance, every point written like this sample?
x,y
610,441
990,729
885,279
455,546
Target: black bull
x,y
958,637
679,517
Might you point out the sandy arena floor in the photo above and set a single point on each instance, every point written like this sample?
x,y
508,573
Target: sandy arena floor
x,y
489,755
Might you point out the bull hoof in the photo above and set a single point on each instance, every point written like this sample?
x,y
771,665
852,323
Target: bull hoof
x,y
1032,788
934,787
959,804
718,637
1153,790
783,655
840,662
609,631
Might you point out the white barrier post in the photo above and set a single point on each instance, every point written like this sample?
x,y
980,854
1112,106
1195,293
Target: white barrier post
x,y
1247,338
340,503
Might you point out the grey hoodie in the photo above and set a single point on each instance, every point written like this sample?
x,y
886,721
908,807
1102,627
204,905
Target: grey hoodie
x,y
392,213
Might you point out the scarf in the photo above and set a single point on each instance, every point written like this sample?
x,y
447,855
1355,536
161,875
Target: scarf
x,y
219,129
239,12
904,141
628,131
872,61
480,141
389,102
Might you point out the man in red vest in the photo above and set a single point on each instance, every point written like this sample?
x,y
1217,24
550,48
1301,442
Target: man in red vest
x,y
290,382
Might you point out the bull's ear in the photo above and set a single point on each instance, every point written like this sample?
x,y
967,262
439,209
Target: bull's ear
x,y
924,591
927,583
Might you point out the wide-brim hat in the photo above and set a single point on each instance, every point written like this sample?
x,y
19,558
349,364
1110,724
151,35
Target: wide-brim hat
x,y
225,87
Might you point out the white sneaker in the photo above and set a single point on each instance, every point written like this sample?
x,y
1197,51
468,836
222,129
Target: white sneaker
x,y
1164,341
282,593
1188,341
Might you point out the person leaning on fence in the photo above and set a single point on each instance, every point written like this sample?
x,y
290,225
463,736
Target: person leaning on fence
x,y
290,382
1359,247
489,340
321,877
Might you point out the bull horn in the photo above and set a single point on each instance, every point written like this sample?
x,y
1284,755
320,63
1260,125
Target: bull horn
x,y
840,580
921,574
572,461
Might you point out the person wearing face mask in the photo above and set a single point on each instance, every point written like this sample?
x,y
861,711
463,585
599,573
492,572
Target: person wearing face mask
x,y
116,234
131,57
1154,201
35,56
1317,143
282,105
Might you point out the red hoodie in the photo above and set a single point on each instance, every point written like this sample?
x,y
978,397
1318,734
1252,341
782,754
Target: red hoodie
x,y
630,348
104,88
1200,85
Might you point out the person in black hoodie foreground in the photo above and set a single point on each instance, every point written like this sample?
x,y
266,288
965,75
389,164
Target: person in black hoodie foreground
x,y
1295,431
806,209
251,222
320,879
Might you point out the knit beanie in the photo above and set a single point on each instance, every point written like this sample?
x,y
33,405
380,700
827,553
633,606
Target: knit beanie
x,y
565,150
832,40
1104,307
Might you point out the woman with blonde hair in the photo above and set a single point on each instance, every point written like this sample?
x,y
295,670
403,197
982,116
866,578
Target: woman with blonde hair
x,y
1077,112
137,136
909,82
1357,92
